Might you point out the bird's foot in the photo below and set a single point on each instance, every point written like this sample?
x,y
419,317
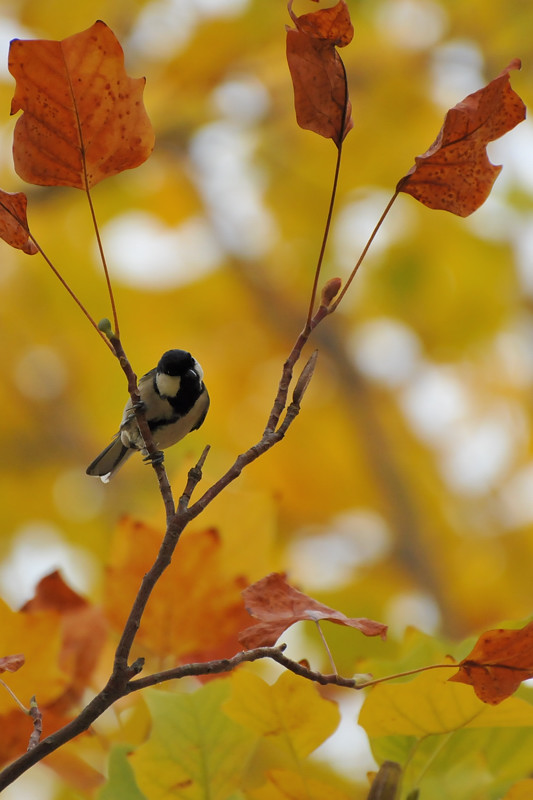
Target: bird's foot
x,y
157,458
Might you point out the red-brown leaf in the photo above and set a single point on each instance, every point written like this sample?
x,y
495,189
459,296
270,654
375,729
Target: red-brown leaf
x,y
13,222
84,118
11,663
455,174
279,606
318,75
499,662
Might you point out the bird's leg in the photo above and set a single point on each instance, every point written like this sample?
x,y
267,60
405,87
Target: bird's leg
x,y
157,458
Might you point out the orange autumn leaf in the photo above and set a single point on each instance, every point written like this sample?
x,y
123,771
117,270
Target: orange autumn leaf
x,y
11,663
455,174
318,75
499,662
196,609
279,605
84,632
13,222
84,118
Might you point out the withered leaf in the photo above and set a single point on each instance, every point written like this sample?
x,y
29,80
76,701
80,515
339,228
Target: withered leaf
x,y
84,118
279,605
319,79
455,174
11,663
13,222
500,661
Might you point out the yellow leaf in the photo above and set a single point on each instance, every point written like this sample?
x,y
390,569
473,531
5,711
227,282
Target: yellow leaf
x,y
290,713
285,785
194,751
38,637
429,704
523,790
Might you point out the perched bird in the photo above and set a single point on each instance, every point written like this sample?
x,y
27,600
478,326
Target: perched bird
x,y
175,402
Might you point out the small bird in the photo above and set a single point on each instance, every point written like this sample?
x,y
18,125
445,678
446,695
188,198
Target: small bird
x,y
175,402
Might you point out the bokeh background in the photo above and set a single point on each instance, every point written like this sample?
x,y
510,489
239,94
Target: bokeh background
x,y
404,491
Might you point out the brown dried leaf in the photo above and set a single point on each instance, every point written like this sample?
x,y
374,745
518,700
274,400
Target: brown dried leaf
x,y
279,605
84,118
13,222
455,174
11,663
318,75
500,661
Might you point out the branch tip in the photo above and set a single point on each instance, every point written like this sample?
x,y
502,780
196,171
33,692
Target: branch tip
x,y
330,290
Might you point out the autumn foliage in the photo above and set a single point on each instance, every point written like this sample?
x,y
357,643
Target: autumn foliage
x,y
188,601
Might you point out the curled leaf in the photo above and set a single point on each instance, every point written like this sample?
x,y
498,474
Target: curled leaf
x,y
279,605
11,663
84,118
13,222
455,174
500,661
318,75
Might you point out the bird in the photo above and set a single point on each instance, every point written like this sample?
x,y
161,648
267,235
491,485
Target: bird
x,y
175,402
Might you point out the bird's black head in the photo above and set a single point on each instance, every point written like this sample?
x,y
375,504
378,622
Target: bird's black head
x,y
176,363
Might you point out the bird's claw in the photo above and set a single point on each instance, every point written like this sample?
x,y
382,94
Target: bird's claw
x,y
157,458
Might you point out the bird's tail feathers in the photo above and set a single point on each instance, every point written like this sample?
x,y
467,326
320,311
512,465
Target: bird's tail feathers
x,y
110,460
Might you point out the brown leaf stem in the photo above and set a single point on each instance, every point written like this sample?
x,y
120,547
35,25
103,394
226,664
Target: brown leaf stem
x,y
104,262
365,250
325,236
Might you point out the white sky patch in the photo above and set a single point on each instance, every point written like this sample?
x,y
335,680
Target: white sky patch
x,y
355,221
243,99
412,24
514,151
385,350
326,560
232,188
434,402
479,453
164,27
415,609
475,446
10,29
143,252
348,749
456,71
38,549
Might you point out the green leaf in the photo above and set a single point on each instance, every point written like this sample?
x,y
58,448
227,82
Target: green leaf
x,y
448,742
195,751
121,784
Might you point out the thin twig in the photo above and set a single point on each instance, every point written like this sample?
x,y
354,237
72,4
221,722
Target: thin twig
x,y
37,717
14,696
366,248
144,428
326,646
70,291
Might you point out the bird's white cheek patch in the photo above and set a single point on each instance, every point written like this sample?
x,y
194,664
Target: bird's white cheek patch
x,y
168,385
